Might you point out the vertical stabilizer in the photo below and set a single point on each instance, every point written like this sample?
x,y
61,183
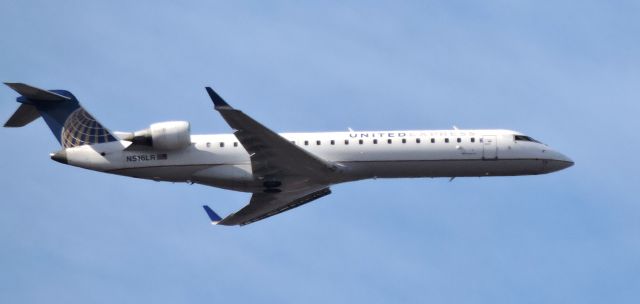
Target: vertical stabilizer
x,y
71,124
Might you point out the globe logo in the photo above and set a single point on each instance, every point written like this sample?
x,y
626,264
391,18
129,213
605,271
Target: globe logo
x,y
81,128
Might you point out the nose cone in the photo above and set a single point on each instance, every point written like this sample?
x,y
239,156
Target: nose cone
x,y
557,162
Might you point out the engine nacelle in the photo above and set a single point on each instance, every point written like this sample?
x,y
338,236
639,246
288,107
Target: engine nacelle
x,y
168,135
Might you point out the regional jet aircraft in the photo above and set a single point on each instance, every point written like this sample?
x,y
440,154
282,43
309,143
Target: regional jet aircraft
x,y
281,170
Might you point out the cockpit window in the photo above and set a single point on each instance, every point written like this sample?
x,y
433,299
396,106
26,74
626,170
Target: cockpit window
x,y
525,138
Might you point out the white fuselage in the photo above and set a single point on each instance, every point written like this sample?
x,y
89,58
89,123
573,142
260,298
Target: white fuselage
x,y
220,160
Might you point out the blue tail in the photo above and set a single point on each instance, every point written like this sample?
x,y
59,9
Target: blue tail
x,y
70,123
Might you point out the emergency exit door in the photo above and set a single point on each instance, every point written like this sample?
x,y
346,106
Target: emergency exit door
x,y
489,147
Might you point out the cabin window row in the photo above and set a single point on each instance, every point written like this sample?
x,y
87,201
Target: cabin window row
x,y
360,141
389,141
221,144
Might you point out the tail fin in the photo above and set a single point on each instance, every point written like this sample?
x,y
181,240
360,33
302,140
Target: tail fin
x,y
70,123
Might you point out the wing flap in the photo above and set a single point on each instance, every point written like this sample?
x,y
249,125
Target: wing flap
x,y
264,205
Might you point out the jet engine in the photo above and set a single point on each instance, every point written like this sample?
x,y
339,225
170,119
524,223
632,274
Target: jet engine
x,y
168,135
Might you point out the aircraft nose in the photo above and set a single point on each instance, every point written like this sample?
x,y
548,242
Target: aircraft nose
x,y
558,161
567,160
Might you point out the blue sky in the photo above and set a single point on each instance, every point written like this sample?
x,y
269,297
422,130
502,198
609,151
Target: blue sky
x,y
564,72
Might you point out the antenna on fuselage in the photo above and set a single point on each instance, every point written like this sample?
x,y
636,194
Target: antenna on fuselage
x,y
455,128
350,130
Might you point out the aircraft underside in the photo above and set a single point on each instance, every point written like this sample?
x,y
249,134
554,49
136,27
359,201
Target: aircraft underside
x,y
352,171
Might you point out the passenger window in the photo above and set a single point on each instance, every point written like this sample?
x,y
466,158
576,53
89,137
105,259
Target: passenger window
x,y
333,142
375,141
221,144
459,140
404,140
346,141
473,139
317,142
235,143
360,141
389,140
306,142
417,140
433,140
208,145
446,140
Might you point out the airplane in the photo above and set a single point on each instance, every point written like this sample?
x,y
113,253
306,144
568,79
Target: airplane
x,y
281,170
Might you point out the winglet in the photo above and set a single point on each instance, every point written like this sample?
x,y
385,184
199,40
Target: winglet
x,y
215,218
217,100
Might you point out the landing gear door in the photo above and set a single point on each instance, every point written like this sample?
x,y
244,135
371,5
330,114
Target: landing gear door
x,y
489,147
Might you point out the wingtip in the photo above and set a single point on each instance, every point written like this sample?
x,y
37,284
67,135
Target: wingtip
x,y
213,216
218,102
11,84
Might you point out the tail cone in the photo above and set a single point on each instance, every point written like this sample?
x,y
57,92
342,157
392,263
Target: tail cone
x,y
60,156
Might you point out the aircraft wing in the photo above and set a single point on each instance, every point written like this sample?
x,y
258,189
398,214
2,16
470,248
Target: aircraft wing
x,y
271,154
264,205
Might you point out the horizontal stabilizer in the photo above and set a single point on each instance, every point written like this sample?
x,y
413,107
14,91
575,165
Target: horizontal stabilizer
x,y
34,93
215,218
25,114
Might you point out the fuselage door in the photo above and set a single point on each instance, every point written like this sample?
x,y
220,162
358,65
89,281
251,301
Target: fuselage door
x,y
489,147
